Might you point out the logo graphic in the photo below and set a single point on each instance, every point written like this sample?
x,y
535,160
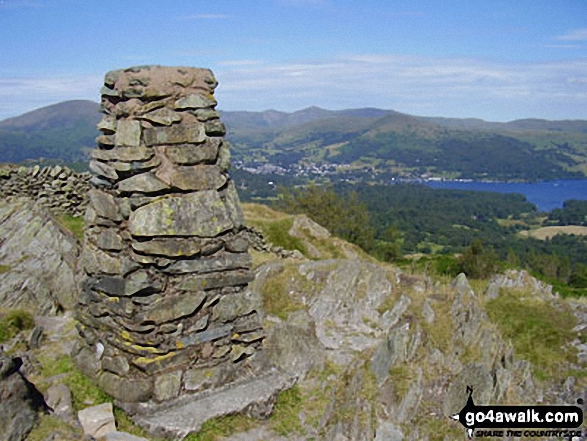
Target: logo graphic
x,y
558,419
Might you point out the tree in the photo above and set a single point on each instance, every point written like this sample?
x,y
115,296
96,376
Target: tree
x,y
344,216
478,262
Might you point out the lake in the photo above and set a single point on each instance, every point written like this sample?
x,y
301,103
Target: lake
x,y
547,195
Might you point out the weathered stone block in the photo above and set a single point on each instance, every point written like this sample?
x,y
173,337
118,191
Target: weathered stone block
x,y
222,262
102,169
175,134
141,282
109,239
127,390
104,204
195,101
162,116
233,205
200,214
117,365
196,178
167,386
125,154
96,261
230,307
169,247
206,336
128,133
176,307
190,154
142,183
216,280
198,379
98,420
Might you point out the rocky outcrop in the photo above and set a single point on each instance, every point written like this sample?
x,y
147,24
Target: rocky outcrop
x,y
20,401
58,188
165,311
38,269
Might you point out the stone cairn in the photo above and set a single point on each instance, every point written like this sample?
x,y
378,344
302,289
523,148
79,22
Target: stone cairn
x,y
165,308
57,188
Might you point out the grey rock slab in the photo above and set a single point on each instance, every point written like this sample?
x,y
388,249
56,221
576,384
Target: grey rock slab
x,y
232,306
388,431
59,399
218,262
97,420
19,403
167,386
162,116
142,183
216,280
107,124
124,154
103,170
233,205
126,390
187,416
128,133
40,260
195,101
175,307
196,177
104,204
175,134
190,154
108,239
200,214
169,247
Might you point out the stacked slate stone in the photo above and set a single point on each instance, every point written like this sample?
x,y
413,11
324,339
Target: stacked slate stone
x,y
57,188
165,308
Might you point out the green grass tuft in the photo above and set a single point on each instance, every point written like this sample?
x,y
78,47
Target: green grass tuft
x,y
14,321
83,389
73,224
539,332
5,268
277,233
285,419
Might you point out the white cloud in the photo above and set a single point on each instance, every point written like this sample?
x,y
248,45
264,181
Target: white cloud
x,y
19,95
574,35
562,46
440,86
239,63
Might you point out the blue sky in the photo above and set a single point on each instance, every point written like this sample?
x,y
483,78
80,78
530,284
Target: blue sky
x,y
497,60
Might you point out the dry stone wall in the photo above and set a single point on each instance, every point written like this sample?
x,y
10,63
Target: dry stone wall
x,y
57,188
165,308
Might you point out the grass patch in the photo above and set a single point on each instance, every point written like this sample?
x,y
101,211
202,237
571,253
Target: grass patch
x,y
540,333
279,292
50,425
5,268
401,377
75,225
217,428
277,233
285,419
14,321
441,331
83,390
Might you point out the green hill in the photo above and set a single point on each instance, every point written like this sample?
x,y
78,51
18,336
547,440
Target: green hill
x,y
358,144
63,131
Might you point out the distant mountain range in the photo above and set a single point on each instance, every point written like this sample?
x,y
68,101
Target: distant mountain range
x,y
351,143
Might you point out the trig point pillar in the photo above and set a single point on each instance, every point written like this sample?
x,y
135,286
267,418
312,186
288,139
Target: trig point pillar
x,y
164,309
